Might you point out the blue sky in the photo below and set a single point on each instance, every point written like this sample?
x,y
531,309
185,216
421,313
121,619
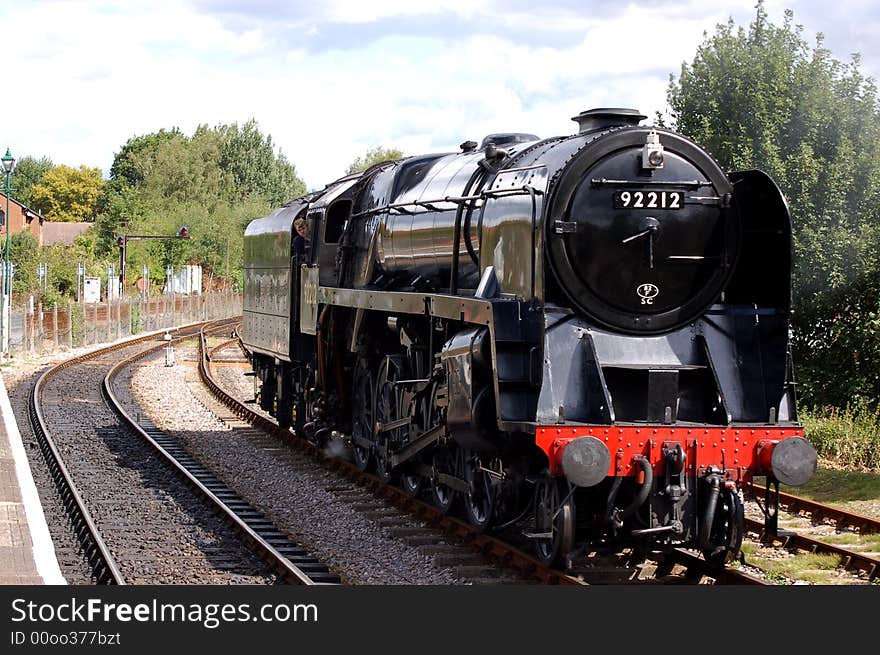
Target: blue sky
x,y
329,80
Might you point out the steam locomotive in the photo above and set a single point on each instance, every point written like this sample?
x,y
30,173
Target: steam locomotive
x,y
585,335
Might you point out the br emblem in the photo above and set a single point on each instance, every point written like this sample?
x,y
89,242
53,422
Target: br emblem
x,y
647,292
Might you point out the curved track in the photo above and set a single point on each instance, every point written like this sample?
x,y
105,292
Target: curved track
x,y
101,561
289,560
819,512
849,560
82,482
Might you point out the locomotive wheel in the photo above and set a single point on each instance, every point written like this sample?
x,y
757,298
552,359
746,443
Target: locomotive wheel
x,y
443,497
479,504
411,482
303,380
267,391
257,387
383,466
554,517
283,396
362,423
727,530
388,401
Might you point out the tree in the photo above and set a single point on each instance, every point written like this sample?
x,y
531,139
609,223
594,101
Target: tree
x,y
124,168
24,253
68,194
28,172
184,170
255,168
215,181
374,155
762,98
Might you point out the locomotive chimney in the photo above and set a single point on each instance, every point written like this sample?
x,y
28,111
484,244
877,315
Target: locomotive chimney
x,y
594,119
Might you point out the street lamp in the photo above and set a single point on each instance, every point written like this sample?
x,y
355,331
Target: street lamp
x,y
8,166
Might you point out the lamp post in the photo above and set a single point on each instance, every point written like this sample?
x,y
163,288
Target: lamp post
x,y
8,166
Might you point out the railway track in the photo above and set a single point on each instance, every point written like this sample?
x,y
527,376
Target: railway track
x,y
849,560
819,512
94,511
95,550
679,565
292,562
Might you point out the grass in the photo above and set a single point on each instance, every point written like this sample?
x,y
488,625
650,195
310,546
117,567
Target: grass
x,y
861,543
849,437
809,567
837,486
848,443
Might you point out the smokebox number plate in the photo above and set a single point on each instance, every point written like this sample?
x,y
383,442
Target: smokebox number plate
x,y
648,199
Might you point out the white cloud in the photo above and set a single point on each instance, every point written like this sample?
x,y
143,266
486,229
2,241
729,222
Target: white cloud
x,y
89,75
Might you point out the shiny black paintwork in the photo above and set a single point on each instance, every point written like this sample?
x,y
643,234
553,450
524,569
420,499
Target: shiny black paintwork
x,y
541,276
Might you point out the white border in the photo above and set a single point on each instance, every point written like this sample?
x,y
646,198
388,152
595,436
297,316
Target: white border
x,y
41,540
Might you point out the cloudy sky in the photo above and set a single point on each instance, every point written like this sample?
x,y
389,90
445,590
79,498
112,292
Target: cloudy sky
x,y
329,79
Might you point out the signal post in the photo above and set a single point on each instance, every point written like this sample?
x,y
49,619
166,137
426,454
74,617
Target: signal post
x,y
123,239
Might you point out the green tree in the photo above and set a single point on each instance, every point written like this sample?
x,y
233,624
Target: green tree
x,y
28,172
763,98
255,168
215,181
68,194
24,253
182,171
124,206
124,169
374,155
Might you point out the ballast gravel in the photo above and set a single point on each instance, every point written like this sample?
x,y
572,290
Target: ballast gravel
x,y
286,485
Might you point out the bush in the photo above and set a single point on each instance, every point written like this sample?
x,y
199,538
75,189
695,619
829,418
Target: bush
x,y
849,437
136,320
77,324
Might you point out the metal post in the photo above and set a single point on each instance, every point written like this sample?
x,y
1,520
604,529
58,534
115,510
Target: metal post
x,y
55,326
8,165
80,279
29,330
122,249
69,324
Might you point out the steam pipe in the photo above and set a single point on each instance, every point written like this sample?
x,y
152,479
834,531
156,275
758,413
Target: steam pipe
x,y
612,496
456,235
644,491
478,181
714,481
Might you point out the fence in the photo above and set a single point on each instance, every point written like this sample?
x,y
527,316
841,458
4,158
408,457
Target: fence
x,y
46,330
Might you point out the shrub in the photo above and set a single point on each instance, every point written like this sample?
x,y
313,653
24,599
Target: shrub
x,y
849,436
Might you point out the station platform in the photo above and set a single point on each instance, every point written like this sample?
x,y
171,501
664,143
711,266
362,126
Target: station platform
x,y
27,556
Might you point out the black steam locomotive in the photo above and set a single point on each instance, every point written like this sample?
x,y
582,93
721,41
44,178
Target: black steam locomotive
x,y
587,334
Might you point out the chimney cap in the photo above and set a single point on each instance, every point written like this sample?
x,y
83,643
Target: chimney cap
x,y
593,119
